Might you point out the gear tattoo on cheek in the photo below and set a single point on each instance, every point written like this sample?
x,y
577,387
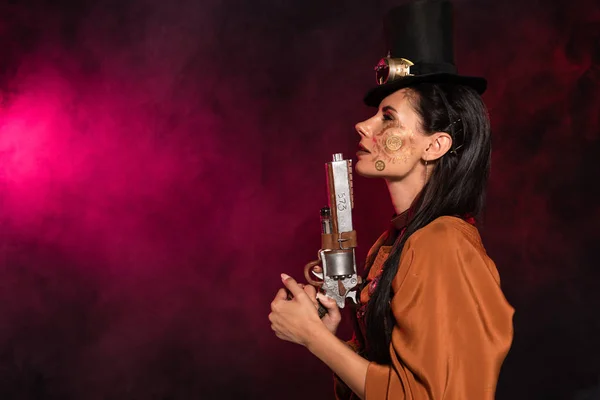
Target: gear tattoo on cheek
x,y
394,145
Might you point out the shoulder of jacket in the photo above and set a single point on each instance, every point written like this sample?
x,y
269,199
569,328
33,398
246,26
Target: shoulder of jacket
x,y
446,229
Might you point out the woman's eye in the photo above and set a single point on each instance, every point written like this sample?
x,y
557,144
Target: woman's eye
x,y
387,117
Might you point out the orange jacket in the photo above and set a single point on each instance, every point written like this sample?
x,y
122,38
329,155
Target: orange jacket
x,y
453,324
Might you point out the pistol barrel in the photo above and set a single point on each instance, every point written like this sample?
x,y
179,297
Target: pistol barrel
x,y
339,184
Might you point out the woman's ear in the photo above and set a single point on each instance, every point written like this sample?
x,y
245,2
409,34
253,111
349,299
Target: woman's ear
x,y
439,144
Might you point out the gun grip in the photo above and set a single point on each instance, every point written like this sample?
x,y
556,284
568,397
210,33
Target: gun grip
x,y
322,310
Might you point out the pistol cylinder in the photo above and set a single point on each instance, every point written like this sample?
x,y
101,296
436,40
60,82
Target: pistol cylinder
x,y
340,263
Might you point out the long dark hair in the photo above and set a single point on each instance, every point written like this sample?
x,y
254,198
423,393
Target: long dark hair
x,y
456,188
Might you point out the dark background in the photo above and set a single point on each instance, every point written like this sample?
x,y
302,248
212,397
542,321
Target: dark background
x,y
161,162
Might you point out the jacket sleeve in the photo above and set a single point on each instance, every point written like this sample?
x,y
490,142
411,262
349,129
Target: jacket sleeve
x,y
453,324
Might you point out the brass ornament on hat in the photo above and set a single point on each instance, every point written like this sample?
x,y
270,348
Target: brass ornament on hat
x,y
379,165
393,143
389,69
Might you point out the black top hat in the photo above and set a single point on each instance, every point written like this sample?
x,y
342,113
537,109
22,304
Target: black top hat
x,y
420,41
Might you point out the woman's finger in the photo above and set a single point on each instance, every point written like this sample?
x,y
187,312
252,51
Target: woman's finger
x,y
291,284
311,293
331,305
282,294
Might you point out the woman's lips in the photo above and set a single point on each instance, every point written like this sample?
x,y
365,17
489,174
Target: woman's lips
x,y
362,150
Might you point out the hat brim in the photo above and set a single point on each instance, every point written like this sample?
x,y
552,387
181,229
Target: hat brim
x,y
375,95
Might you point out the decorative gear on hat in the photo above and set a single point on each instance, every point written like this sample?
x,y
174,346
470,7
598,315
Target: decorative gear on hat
x,y
420,41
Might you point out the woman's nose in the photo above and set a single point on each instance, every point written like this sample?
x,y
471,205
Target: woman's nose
x,y
362,130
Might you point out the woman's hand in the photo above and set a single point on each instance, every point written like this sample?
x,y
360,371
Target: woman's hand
x,y
296,319
332,319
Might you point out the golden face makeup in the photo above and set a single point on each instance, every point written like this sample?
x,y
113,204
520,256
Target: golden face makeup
x,y
391,139
393,143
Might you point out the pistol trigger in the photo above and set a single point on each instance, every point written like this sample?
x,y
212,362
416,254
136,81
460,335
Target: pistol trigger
x,y
352,295
317,274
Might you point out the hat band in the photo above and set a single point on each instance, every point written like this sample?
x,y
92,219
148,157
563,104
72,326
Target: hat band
x,y
390,69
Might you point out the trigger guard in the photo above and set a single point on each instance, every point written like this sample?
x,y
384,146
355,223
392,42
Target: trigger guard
x,y
352,295
309,267
317,274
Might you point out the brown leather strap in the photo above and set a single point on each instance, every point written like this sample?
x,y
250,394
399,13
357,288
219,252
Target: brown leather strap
x,y
348,239
330,241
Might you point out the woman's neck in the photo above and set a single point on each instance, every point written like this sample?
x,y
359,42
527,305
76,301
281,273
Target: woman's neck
x,y
403,193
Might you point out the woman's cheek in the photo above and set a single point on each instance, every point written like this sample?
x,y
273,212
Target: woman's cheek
x,y
395,146
375,147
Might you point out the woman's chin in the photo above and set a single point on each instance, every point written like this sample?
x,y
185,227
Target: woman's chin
x,y
368,171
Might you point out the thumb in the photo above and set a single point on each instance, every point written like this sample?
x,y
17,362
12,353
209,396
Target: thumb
x,y
330,304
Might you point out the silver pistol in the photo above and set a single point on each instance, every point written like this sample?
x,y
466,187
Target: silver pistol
x,y
336,264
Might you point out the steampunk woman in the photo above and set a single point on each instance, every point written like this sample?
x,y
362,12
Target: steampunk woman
x,y
433,322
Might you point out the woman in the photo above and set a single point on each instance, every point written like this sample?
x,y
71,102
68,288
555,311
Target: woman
x,y
433,322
